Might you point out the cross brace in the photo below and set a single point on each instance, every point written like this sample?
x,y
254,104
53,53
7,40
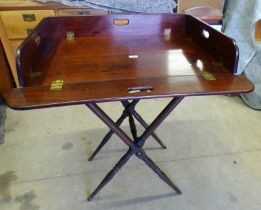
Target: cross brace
x,y
135,145
129,111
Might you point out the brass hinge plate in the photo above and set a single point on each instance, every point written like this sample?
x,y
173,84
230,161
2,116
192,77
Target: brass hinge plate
x,y
70,35
207,75
57,85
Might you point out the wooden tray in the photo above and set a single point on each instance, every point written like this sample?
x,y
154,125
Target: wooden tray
x,y
76,60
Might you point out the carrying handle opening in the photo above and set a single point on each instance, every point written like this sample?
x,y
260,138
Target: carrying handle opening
x,y
120,22
140,89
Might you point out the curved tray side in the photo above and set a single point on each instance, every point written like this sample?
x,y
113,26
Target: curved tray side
x,y
32,51
223,48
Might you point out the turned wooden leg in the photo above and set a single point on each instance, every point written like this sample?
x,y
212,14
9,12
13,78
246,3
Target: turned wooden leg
x,y
112,173
107,137
142,155
143,123
135,147
133,127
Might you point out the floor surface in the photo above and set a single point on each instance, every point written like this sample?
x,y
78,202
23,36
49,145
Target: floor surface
x,y
213,156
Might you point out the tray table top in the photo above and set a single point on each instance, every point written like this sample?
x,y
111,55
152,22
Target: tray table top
x,y
140,56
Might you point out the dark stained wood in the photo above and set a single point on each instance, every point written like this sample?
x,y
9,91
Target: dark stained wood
x,y
105,60
89,32
6,84
81,93
158,55
135,146
35,50
221,47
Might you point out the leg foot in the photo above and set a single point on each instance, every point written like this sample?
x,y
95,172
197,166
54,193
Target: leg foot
x,y
112,173
158,171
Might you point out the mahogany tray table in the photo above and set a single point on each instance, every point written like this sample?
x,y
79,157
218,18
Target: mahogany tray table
x,y
125,58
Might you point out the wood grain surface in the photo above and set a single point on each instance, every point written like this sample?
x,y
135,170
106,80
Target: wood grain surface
x,y
155,55
6,84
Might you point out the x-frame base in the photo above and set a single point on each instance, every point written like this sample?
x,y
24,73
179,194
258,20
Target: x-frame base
x,y
135,145
129,111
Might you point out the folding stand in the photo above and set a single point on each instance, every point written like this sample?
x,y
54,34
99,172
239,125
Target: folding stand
x,y
135,145
127,112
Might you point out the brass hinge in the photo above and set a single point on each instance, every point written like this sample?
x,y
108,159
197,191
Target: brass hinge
x,y
207,75
70,35
57,85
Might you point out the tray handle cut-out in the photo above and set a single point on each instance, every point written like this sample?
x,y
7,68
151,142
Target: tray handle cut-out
x,y
205,34
121,22
140,89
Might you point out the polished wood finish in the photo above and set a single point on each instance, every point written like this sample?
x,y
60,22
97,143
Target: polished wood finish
x,y
81,93
8,51
6,84
223,49
160,55
121,58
